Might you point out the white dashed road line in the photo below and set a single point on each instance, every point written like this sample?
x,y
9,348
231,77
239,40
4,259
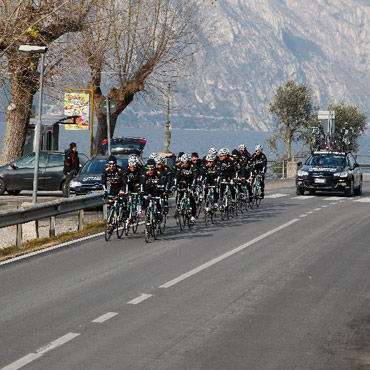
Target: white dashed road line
x,y
105,317
140,299
40,352
363,200
226,255
276,195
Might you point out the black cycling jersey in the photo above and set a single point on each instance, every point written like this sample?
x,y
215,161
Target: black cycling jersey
x,y
228,169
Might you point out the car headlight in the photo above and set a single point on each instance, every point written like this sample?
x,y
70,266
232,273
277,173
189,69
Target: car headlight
x,y
75,184
302,173
341,174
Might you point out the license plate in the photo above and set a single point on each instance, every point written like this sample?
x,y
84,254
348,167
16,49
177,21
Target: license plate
x,y
320,181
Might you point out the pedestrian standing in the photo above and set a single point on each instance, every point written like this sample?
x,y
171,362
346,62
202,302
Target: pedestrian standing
x,y
71,167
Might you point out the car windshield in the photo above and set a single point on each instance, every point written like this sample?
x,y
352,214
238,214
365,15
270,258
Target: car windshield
x,y
325,160
96,166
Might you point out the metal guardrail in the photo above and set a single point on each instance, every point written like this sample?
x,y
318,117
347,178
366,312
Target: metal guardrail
x,y
50,209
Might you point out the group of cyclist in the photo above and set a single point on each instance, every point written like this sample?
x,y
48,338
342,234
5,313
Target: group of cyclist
x,y
156,179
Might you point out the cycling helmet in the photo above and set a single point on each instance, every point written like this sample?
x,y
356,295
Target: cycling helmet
x,y
212,151
258,148
223,151
150,164
153,155
184,158
112,159
210,158
235,153
242,147
159,159
133,160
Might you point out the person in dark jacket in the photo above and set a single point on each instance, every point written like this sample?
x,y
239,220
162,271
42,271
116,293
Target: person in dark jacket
x,y
259,161
112,177
71,166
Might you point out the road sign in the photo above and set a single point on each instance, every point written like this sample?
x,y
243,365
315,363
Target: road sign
x,y
103,106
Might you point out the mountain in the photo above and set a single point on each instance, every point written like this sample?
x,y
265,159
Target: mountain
x,y
256,46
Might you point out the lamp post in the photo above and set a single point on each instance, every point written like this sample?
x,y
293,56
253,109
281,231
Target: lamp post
x,y
167,134
34,49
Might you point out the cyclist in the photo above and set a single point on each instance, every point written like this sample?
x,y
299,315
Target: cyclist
x,y
259,161
176,165
132,175
212,152
243,152
151,184
245,160
114,175
165,174
209,173
185,178
228,171
195,161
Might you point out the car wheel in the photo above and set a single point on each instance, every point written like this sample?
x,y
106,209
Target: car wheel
x,y
358,191
349,192
13,192
2,187
299,191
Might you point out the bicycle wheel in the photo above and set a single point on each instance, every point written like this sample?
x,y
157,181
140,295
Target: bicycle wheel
x,y
120,228
178,218
206,215
162,224
148,232
127,226
109,226
258,198
135,224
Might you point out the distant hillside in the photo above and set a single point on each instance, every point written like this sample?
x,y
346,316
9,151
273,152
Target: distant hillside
x,y
258,45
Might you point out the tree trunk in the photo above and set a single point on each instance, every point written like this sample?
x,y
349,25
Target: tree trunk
x,y
122,99
18,114
288,143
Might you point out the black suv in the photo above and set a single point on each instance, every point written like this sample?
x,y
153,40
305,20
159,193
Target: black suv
x,y
330,171
89,179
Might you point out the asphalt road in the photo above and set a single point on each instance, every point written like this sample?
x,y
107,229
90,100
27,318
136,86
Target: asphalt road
x,y
285,287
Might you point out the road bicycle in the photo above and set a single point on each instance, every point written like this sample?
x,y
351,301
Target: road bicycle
x,y
152,218
115,219
183,211
209,204
256,190
133,213
226,206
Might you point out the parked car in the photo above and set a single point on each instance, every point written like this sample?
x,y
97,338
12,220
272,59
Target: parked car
x,y
125,145
330,171
18,175
89,179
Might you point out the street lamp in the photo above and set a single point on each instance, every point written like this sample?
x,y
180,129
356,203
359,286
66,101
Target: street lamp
x,y
35,49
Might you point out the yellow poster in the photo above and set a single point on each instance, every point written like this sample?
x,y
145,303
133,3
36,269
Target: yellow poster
x,y
77,104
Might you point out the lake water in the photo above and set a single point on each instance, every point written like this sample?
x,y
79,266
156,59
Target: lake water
x,y
181,140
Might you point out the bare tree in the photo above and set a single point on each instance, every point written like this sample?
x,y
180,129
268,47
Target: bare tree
x,y
36,22
139,47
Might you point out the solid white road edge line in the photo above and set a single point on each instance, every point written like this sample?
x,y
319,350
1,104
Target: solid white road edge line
x,y
26,255
105,317
40,352
226,255
140,299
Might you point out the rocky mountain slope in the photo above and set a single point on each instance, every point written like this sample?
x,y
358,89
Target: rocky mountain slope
x,y
257,45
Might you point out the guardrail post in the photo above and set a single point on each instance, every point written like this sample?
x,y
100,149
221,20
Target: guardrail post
x,y
52,226
283,170
18,238
81,214
105,211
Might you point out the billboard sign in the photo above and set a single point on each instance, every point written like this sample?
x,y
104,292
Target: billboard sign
x,y
77,104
